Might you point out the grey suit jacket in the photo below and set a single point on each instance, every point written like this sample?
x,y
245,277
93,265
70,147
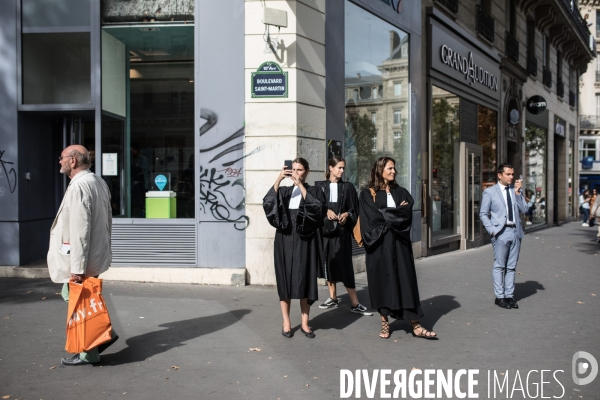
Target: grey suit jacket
x,y
493,210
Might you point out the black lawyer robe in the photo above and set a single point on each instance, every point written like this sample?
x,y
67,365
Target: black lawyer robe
x,y
297,247
338,248
391,273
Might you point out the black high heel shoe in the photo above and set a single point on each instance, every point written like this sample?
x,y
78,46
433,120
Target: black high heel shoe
x,y
287,334
309,334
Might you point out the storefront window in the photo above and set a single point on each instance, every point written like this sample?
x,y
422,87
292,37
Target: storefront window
x,y
535,174
487,138
56,52
155,141
444,158
571,180
377,112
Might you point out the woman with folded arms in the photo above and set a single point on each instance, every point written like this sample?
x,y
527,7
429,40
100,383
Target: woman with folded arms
x,y
297,212
385,222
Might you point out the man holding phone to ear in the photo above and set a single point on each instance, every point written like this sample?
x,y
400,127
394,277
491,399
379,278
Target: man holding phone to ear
x,y
499,214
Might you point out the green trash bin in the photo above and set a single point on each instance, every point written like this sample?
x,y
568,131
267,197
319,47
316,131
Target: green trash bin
x,y
161,204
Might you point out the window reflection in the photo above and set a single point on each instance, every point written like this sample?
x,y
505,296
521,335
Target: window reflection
x,y
445,156
535,174
376,105
487,139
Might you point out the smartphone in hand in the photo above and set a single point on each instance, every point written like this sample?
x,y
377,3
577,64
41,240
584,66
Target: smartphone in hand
x,y
288,164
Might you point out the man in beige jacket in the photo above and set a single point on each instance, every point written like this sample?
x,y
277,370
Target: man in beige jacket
x,y
80,233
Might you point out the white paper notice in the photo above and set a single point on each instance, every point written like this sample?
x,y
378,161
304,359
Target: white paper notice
x,y
109,164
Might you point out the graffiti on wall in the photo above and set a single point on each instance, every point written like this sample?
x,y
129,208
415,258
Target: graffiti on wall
x,y
222,191
7,173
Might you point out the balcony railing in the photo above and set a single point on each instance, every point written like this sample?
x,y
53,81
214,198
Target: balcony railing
x,y
512,47
589,121
451,5
580,23
547,77
560,87
485,24
572,98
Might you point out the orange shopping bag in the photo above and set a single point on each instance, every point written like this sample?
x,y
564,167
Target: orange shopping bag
x,y
88,323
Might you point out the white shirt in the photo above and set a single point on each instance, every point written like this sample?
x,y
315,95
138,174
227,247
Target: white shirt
x,y
503,188
333,192
295,199
390,201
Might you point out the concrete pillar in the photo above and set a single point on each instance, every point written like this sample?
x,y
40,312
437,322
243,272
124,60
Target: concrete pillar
x,y
282,128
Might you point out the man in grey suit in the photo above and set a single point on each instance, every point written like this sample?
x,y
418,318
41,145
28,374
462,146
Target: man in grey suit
x,y
499,214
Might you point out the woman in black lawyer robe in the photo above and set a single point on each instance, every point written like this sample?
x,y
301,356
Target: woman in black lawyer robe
x,y
341,216
297,213
385,223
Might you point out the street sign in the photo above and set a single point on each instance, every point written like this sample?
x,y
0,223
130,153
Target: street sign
x,y
269,80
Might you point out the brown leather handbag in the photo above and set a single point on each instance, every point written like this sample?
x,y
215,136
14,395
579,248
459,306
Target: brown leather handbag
x,y
356,231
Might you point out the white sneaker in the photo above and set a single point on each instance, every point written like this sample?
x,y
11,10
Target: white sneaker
x,y
585,224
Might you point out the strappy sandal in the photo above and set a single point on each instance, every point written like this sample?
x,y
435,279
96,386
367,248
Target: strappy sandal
x,y
425,334
385,329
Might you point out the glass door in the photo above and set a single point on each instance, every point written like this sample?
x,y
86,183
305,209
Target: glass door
x,y
471,185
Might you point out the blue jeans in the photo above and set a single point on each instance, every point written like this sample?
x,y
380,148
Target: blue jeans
x,y
586,214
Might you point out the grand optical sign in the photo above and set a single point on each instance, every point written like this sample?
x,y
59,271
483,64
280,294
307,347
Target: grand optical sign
x,y
466,65
456,57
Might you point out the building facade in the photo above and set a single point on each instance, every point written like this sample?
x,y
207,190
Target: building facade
x,y
189,123
588,159
490,63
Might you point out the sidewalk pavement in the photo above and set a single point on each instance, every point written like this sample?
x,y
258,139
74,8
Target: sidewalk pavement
x,y
214,342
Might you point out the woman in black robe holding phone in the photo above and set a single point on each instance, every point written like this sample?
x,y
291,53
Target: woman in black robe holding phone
x,y
385,221
297,212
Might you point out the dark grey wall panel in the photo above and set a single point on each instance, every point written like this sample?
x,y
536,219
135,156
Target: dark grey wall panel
x,y
9,169
9,243
220,103
334,71
34,237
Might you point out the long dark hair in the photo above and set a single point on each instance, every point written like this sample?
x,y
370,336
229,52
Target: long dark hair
x,y
333,161
302,161
376,181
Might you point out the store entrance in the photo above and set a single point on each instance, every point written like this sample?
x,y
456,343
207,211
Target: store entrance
x,y
471,191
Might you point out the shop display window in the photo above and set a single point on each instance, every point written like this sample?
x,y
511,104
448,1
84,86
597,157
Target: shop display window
x,y
445,139
487,138
152,138
535,174
377,120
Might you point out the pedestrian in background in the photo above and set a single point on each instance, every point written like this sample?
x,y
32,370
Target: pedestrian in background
x,y
592,219
80,233
297,213
385,223
584,207
530,199
596,215
342,213
500,208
